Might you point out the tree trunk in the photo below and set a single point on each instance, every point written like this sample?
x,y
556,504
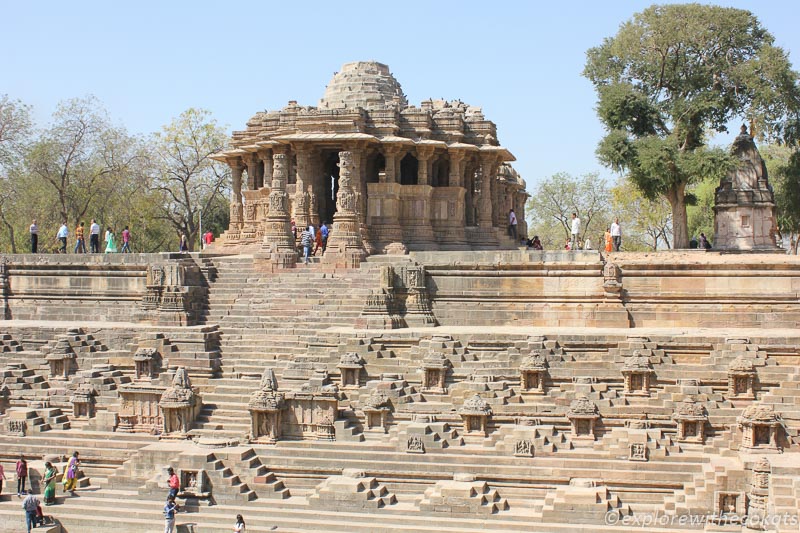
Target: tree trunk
x,y
680,221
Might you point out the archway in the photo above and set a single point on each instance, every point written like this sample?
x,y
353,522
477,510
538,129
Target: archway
x,y
409,167
330,182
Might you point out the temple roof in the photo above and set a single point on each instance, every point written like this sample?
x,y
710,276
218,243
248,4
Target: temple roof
x,y
366,84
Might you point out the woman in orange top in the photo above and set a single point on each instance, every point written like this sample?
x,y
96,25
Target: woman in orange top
x,y
608,240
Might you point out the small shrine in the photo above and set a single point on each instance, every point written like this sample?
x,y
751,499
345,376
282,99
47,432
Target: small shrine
x,y
583,415
533,371
637,373
194,484
434,368
350,366
61,360
691,417
147,364
83,401
742,379
760,426
475,413
179,405
265,406
376,410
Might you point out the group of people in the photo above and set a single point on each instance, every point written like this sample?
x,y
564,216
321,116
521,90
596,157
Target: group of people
x,y
612,239
311,240
31,504
80,238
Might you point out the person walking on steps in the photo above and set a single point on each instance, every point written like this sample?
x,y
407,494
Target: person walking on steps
x,y
31,506
173,482
71,475
239,527
49,482
22,475
306,240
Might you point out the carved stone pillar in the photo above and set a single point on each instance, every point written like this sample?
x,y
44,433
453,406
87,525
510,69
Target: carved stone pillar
x,y
277,232
391,153
485,236
456,178
424,154
345,246
236,196
266,160
301,197
252,163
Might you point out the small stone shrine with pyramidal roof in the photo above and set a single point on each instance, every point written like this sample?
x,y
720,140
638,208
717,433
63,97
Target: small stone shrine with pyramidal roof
x,y
426,373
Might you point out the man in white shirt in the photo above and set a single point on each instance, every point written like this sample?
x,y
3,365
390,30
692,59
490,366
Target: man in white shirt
x,y
575,230
62,234
94,237
34,237
616,234
512,225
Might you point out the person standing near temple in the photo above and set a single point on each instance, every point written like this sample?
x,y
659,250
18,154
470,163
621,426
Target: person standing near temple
x,y
61,236
239,526
111,241
173,482
94,237
184,244
512,225
616,234
80,241
170,508
126,240
49,482
317,241
22,474
71,474
575,230
34,229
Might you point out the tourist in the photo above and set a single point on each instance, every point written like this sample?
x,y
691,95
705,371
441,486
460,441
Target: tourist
x,y
31,506
94,237
126,240
111,241
61,236
208,238
568,245
80,242
239,526
616,234
693,243
305,242
609,240
587,244
2,477
704,242
173,482
575,230
49,482
71,474
325,231
536,243
512,225
22,474
170,508
34,237
184,244
294,230
317,242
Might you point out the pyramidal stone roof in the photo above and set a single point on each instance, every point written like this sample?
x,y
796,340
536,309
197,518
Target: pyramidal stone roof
x,y
366,84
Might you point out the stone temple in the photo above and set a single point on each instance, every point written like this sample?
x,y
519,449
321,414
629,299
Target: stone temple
x,y
432,177
422,389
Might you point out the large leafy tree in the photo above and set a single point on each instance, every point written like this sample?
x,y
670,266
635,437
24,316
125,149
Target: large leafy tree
x,y
190,183
671,77
646,224
550,207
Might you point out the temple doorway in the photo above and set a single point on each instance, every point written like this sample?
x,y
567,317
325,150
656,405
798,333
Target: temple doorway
x,y
330,183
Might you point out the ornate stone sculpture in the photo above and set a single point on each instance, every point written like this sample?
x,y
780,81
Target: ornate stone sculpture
x,y
278,237
637,372
61,360
345,244
377,408
434,369
758,497
265,406
741,379
533,371
83,401
350,366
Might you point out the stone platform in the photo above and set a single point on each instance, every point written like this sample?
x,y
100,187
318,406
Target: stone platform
x,y
499,391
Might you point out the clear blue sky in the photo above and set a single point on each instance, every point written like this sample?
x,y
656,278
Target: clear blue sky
x,y
148,61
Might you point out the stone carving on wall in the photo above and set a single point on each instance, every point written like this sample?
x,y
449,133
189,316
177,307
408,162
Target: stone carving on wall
x,y
16,428
415,444
612,280
523,448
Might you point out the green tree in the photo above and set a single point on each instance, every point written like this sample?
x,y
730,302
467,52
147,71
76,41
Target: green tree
x,y
188,180
16,128
646,224
783,170
550,207
670,77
